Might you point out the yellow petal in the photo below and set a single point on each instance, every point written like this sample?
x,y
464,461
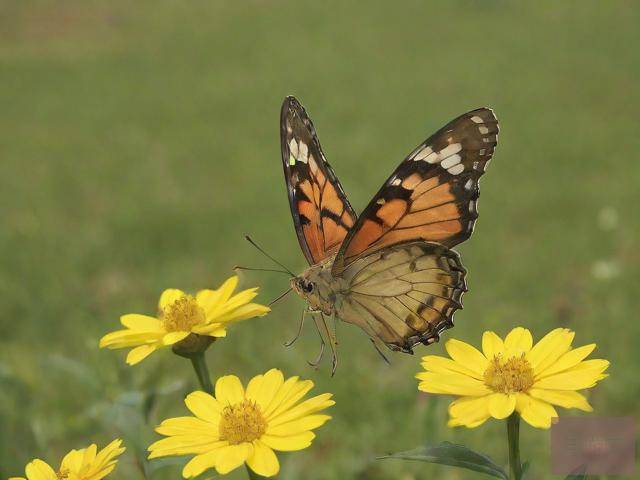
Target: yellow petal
x,y
236,301
140,353
565,399
290,443
467,356
584,375
232,456
303,424
187,426
263,388
437,364
39,470
312,405
250,310
174,337
143,323
72,460
212,300
517,342
129,338
184,445
501,405
200,463
204,406
568,360
536,413
168,297
263,461
288,395
469,411
107,455
492,345
554,344
452,384
229,390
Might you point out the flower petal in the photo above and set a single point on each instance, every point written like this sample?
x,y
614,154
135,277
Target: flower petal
x,y
244,312
517,342
501,405
187,426
212,300
584,375
554,344
204,406
129,338
312,405
290,443
536,413
303,424
174,337
168,297
451,384
263,388
143,323
200,463
437,364
229,390
140,353
184,445
568,360
288,395
263,460
565,399
469,411
39,470
232,456
492,345
466,355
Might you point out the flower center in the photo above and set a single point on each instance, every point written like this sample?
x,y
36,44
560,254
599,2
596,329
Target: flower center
x,y
514,375
242,422
63,474
183,314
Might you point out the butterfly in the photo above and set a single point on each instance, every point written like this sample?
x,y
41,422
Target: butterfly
x,y
390,271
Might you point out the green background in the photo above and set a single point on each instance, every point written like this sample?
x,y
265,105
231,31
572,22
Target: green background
x,y
139,142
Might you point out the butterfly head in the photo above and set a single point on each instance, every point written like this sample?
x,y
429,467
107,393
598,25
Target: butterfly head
x,y
313,288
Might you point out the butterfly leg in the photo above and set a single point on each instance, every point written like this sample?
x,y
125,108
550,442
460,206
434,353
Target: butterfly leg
x,y
375,342
333,343
316,362
291,342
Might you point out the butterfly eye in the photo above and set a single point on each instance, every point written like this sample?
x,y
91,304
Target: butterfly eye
x,y
308,286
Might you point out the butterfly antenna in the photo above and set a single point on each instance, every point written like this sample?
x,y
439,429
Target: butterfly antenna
x,y
300,325
252,269
250,240
279,297
316,362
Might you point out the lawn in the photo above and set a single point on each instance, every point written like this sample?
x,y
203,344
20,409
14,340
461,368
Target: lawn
x,y
140,143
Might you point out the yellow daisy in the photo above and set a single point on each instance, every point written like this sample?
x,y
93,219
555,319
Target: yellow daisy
x,y
513,375
239,425
84,464
180,315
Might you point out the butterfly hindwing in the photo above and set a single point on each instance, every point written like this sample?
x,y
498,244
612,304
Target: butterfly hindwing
x,y
321,213
404,295
432,195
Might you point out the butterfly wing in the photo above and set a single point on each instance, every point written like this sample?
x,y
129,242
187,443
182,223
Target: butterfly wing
x,y
405,294
432,195
321,213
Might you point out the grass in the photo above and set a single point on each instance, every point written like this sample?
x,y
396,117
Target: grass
x,y
140,142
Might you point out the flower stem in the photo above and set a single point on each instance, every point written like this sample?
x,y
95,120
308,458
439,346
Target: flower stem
x,y
513,437
200,366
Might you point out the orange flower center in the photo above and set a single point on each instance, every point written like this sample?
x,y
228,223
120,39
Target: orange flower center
x,y
183,314
510,376
242,422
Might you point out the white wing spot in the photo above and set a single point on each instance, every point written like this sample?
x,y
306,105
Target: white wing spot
x,y
303,152
381,201
483,130
482,151
450,149
396,182
468,185
476,119
293,148
451,161
422,154
456,169
292,160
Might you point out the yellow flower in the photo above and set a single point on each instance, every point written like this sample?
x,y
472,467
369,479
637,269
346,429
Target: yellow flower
x,y
513,375
239,425
84,464
180,314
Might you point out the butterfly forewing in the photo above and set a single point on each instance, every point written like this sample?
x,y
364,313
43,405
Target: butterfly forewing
x,y
405,294
321,213
432,195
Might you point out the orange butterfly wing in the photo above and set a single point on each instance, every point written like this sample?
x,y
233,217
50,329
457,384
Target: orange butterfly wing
x,y
432,195
321,213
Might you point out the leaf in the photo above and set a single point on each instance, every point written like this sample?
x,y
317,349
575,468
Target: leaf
x,y
525,470
447,453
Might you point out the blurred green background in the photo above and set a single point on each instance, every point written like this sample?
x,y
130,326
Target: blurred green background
x,y
139,142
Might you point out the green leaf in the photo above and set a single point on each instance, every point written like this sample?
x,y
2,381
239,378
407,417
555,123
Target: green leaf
x,y
459,456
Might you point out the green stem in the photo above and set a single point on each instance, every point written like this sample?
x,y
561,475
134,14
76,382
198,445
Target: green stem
x,y
513,437
200,366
